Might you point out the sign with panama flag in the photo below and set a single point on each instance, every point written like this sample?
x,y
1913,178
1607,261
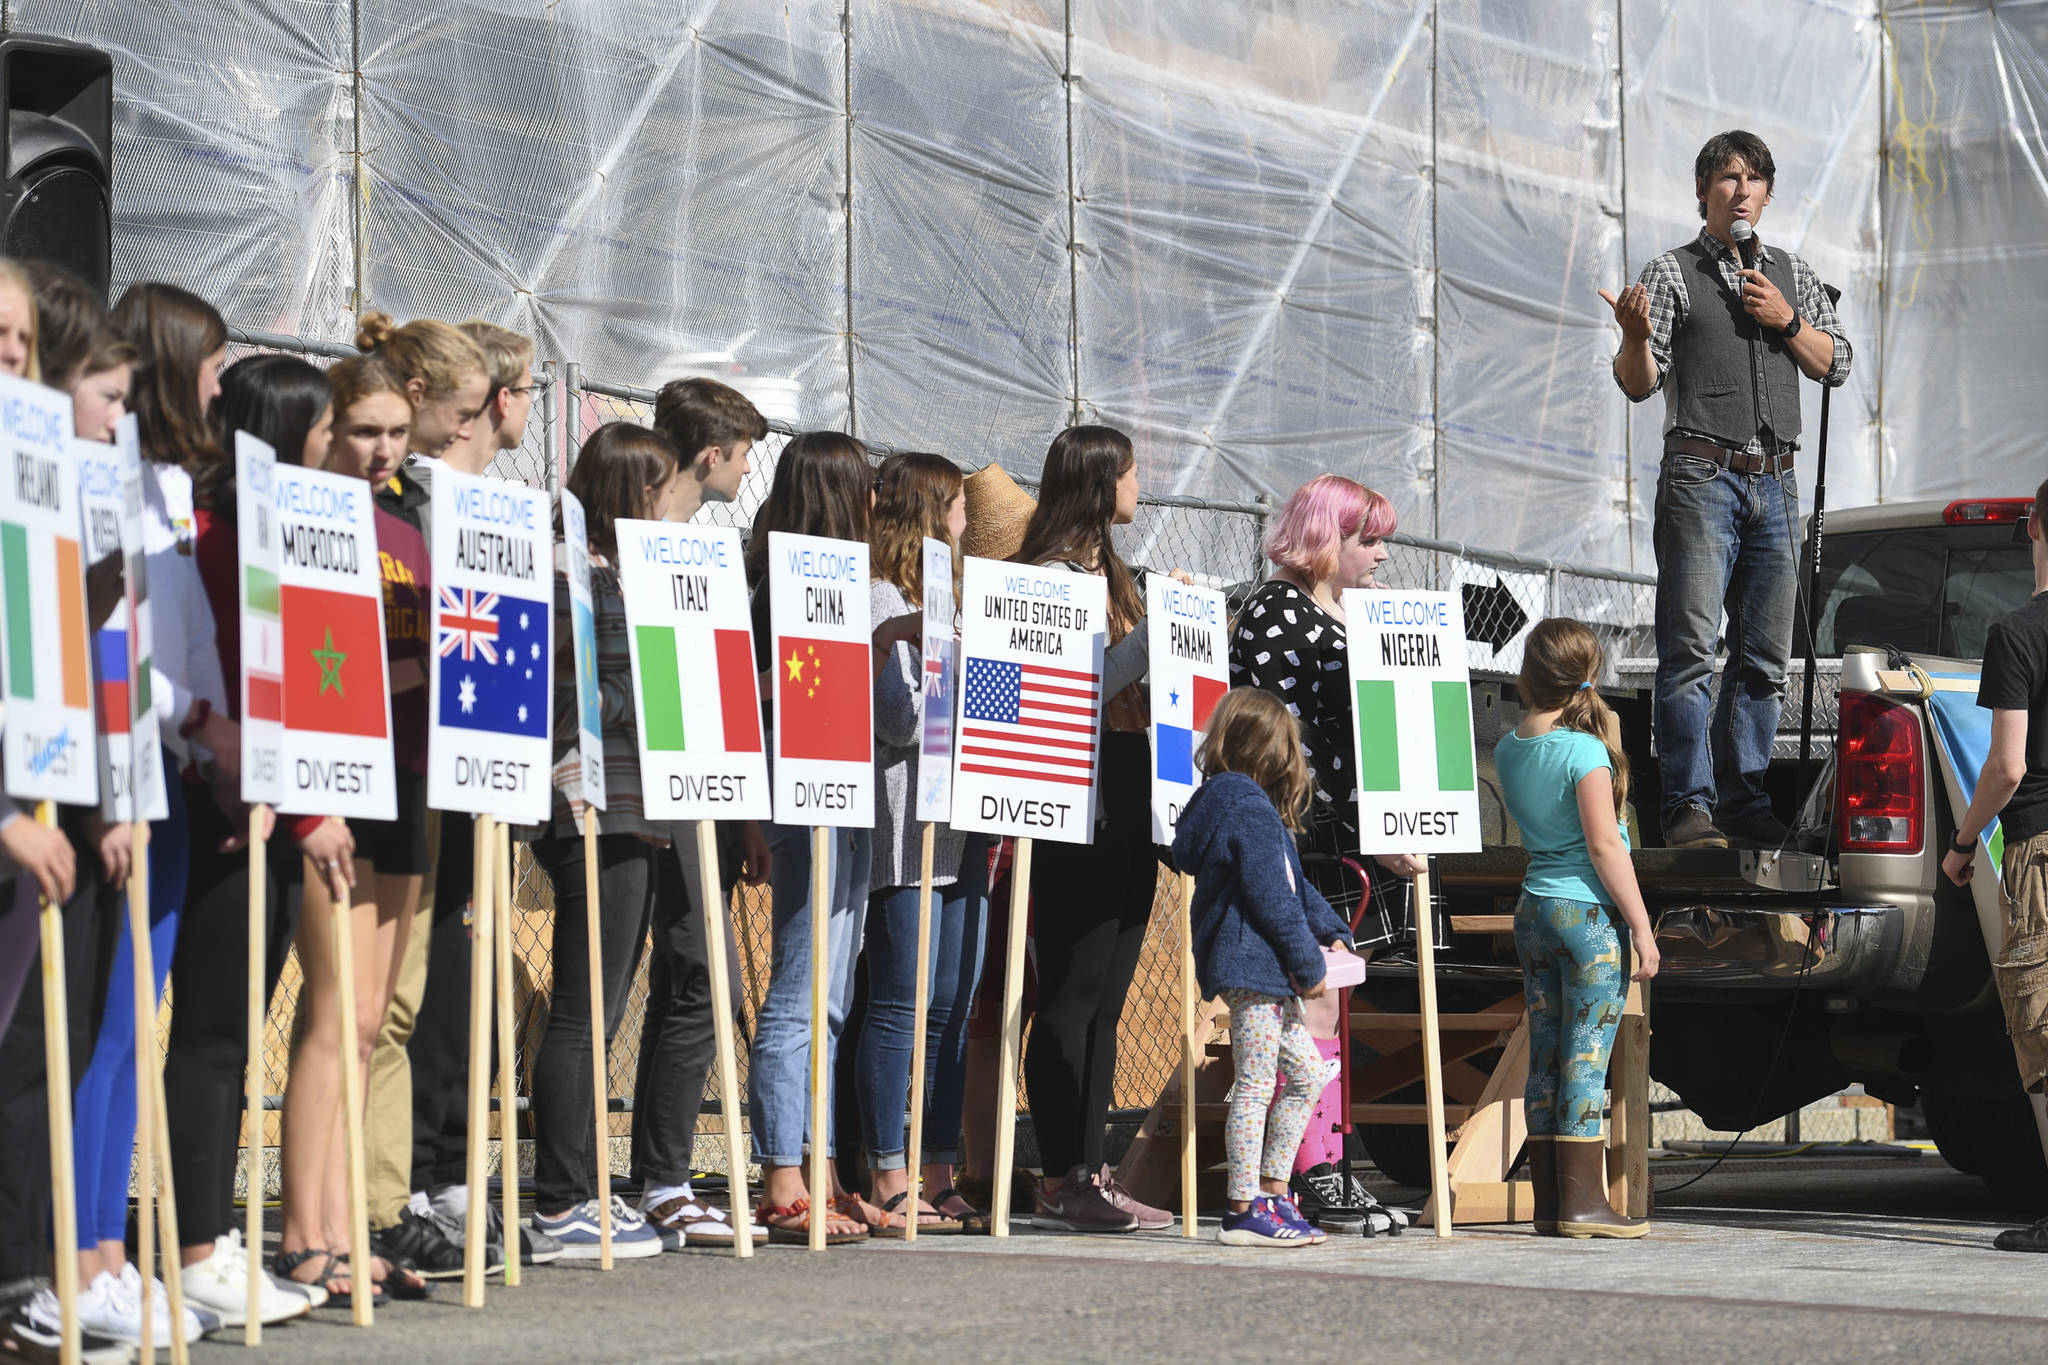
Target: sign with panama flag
x,y
823,663
262,629
575,564
330,606
130,755
491,681
941,674
694,689
46,670
1031,645
1418,788
1189,673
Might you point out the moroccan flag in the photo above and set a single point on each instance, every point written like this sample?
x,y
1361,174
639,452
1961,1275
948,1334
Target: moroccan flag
x,y
334,676
65,616
821,699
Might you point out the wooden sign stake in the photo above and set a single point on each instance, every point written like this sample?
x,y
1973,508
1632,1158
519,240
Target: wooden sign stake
x,y
1188,1214
913,1157
508,1090
352,1114
474,1264
1013,1033
252,1080
721,1022
167,1222
1432,1053
57,1088
821,891
144,984
599,1079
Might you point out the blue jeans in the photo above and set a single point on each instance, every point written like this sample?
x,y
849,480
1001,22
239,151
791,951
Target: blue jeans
x,y
959,933
1724,542
778,1066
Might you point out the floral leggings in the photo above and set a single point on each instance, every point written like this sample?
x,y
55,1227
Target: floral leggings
x,y
1575,980
1265,1032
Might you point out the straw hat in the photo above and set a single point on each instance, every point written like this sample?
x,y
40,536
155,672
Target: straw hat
x,y
997,513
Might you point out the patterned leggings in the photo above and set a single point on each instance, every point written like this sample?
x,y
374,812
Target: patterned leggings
x,y
1266,1031
1576,983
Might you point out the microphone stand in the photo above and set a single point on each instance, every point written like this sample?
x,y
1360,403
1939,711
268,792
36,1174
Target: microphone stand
x,y
1820,516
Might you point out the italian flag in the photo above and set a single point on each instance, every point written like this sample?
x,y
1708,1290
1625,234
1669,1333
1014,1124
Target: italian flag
x,y
47,604
669,715
1380,719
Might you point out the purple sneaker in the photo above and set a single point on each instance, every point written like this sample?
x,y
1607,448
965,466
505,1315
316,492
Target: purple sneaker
x,y
1263,1224
1292,1212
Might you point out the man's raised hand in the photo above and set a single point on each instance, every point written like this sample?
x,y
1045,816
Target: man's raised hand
x,y
1632,310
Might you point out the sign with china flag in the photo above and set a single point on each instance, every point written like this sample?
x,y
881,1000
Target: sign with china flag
x,y
1031,645
824,690
46,676
130,756
491,691
1189,672
694,692
330,606
262,630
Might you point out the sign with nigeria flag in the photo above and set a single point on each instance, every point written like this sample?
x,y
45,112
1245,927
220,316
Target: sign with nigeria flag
x,y
491,694
1189,673
46,675
694,692
130,757
1418,789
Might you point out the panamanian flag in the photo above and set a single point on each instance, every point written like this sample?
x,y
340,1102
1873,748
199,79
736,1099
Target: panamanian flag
x,y
494,662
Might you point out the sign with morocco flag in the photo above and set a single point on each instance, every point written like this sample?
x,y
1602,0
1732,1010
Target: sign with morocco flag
x,y
491,688
1189,673
1418,789
330,606
262,630
130,757
823,664
694,692
47,670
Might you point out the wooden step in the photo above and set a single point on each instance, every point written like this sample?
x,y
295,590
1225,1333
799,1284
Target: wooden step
x,y
1454,1114
1489,1022
1482,924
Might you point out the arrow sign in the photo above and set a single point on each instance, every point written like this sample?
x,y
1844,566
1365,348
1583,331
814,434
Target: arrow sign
x,y
1492,615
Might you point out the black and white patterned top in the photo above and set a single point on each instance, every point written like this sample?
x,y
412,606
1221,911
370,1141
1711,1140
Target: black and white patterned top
x,y
1287,645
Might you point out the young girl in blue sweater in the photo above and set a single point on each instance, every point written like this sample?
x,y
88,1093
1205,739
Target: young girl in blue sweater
x,y
1259,930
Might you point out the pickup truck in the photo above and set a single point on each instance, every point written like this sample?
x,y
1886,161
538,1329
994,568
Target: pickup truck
x,y
1846,957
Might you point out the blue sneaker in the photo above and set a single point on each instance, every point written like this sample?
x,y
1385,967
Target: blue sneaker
x,y
1291,1211
579,1232
1263,1224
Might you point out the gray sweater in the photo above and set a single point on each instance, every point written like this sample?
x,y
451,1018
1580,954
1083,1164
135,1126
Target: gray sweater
x,y
899,728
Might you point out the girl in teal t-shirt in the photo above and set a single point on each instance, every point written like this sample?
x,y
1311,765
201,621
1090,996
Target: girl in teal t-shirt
x,y
1564,778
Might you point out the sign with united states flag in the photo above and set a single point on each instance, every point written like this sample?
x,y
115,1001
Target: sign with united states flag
x,y
1027,751
491,693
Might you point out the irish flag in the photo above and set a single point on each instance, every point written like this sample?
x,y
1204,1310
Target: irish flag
x,y
1381,718
669,715
50,605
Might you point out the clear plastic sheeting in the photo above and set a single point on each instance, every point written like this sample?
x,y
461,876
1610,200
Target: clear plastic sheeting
x,y
1270,237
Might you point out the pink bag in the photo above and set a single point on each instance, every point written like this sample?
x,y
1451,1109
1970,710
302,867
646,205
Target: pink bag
x,y
1342,969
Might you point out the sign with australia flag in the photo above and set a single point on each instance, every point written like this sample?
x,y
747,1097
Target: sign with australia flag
x,y
1190,671
491,690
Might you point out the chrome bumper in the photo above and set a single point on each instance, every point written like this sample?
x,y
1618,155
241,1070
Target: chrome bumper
x,y
1837,948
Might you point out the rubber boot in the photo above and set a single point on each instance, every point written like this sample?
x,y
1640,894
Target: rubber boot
x,y
1582,1207
1543,1184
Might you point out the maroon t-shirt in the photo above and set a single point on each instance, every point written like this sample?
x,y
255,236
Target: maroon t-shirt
x,y
408,597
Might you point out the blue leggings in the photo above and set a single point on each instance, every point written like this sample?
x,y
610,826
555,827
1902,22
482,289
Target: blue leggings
x,y
1574,978
103,1143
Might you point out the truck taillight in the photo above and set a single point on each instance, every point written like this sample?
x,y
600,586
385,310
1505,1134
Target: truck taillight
x,y
1881,776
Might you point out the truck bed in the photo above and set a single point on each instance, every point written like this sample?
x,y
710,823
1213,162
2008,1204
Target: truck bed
x,y
1665,874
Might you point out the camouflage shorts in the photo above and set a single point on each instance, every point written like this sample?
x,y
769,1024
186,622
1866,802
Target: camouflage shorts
x,y
2022,965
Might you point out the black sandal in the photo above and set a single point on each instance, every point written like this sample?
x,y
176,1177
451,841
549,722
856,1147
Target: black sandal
x,y
974,1222
288,1261
400,1282
944,1224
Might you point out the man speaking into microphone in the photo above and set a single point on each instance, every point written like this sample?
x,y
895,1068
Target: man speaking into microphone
x,y
1725,326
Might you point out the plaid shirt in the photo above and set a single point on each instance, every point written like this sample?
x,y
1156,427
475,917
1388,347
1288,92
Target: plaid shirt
x,y
1664,280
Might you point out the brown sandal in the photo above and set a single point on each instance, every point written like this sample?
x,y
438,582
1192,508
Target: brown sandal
x,y
930,1222
790,1225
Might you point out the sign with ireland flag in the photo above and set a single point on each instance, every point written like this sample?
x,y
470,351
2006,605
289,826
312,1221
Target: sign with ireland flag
x,y
1418,788
1189,673
131,759
694,691
46,671
824,689
262,630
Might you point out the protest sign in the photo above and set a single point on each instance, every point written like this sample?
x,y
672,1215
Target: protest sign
x,y
941,671
1189,673
1031,645
575,552
490,690
262,630
330,605
1412,706
48,673
130,756
701,756
823,661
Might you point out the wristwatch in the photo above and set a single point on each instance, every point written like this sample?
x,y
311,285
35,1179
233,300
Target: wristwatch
x,y
1791,329
1963,846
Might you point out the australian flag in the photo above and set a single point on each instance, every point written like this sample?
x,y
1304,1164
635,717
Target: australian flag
x,y
495,661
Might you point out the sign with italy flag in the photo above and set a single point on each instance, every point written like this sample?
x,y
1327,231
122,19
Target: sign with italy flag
x,y
46,675
1418,789
130,755
262,629
490,687
941,678
330,606
701,756
1189,673
575,566
824,689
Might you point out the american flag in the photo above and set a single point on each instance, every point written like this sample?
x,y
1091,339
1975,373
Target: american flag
x,y
469,623
1029,721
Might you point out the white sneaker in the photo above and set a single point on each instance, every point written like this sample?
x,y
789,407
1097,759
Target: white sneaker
x,y
220,1284
112,1306
35,1332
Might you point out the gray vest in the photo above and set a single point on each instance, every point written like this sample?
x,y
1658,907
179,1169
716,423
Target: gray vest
x,y
1730,378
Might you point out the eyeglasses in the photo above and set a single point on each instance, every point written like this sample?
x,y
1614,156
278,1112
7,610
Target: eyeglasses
x,y
523,388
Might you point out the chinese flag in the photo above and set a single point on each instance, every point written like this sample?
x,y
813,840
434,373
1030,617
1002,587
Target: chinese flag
x,y
1207,692
333,662
821,699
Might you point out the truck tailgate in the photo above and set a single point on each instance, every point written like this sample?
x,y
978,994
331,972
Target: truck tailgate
x,y
1665,874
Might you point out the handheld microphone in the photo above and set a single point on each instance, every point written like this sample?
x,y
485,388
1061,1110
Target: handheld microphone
x,y
1744,237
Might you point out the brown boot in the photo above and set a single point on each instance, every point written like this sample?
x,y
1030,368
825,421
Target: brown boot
x,y
1543,1183
1582,1207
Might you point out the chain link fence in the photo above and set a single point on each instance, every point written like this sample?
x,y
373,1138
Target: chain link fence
x,y
1220,542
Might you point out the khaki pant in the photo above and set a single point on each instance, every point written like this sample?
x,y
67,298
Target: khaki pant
x,y
387,1136
2022,965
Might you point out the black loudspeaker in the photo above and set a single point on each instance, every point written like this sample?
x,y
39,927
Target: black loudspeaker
x,y
56,150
